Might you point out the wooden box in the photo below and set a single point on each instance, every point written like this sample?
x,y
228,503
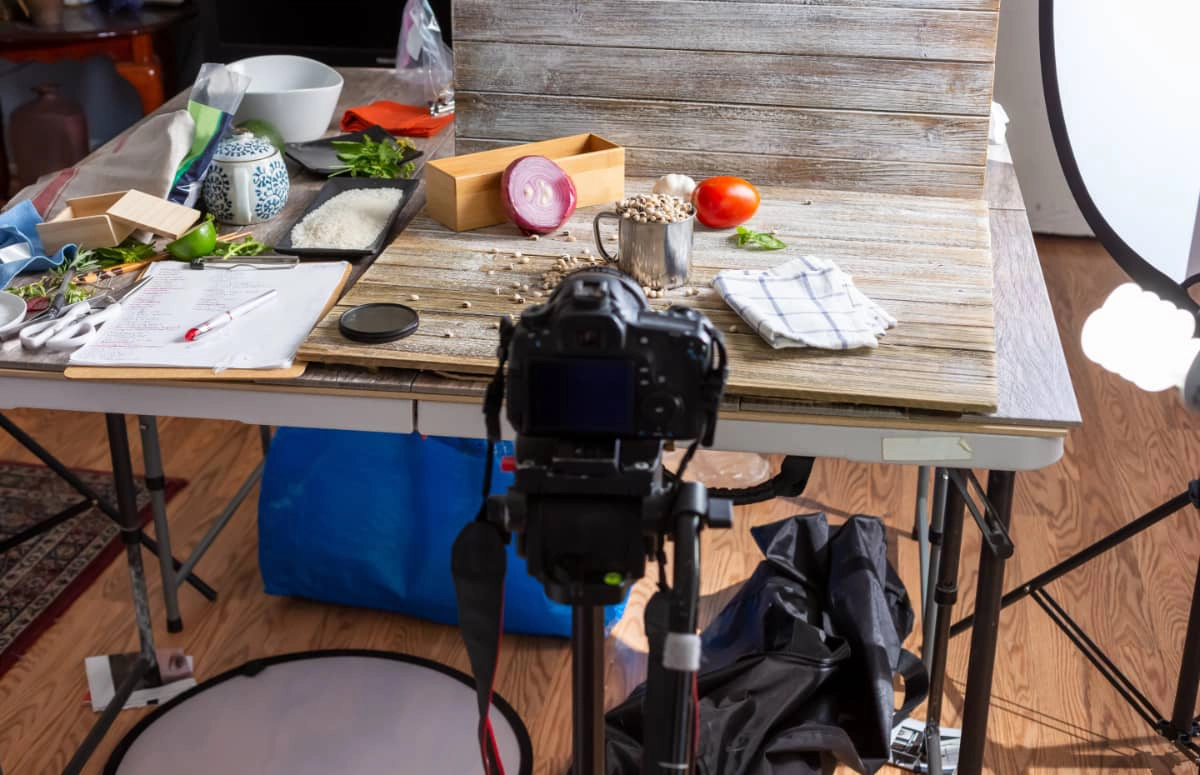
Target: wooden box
x,y
463,192
105,220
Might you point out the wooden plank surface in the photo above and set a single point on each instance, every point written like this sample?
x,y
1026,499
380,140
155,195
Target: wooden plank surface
x,y
925,260
802,81
884,177
869,30
744,128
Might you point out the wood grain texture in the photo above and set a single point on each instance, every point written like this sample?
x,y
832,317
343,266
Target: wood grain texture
x,y
880,95
884,177
925,260
760,128
868,30
1051,712
838,83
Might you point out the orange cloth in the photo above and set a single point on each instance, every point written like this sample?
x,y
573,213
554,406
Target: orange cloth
x,y
397,119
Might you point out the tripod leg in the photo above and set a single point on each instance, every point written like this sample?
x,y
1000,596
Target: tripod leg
x,y
587,685
922,530
936,524
945,594
1183,715
989,590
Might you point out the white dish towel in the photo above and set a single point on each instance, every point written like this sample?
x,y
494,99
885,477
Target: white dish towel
x,y
806,302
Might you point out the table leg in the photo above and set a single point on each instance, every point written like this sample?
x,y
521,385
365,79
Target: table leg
x,y
118,444
156,484
983,636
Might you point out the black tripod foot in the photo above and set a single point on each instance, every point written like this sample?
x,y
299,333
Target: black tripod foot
x,y
175,625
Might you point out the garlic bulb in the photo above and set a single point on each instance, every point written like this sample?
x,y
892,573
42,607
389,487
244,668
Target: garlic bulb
x,y
675,185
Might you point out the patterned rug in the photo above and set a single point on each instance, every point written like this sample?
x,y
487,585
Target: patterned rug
x,y
42,577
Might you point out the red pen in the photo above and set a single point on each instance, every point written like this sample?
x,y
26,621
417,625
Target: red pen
x,y
229,315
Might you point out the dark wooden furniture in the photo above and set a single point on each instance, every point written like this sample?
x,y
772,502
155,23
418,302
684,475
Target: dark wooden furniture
x,y
128,38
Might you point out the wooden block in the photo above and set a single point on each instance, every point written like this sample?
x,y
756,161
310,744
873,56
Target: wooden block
x,y
463,192
105,220
85,222
153,214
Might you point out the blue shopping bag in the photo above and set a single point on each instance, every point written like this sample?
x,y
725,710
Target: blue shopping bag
x,y
368,519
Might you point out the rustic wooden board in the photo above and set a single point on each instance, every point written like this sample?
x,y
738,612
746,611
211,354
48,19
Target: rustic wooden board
x,y
873,29
694,126
873,95
835,82
886,177
926,260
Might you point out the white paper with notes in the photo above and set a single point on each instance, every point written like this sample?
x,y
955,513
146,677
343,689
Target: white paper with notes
x,y
150,330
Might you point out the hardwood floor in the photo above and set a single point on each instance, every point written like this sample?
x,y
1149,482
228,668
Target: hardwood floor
x,y
1051,711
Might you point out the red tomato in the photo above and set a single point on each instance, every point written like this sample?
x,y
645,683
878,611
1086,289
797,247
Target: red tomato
x,y
724,202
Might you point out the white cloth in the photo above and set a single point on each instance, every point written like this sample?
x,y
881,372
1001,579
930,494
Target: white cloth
x,y
806,302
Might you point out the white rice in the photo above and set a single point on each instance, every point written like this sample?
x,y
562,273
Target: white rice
x,y
349,221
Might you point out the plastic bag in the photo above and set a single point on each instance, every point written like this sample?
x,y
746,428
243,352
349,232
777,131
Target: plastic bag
x,y
215,97
368,519
424,63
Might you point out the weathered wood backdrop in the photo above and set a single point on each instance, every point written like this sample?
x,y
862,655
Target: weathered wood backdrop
x,y
875,95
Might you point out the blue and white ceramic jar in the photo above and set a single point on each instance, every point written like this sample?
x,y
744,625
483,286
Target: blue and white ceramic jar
x,y
247,181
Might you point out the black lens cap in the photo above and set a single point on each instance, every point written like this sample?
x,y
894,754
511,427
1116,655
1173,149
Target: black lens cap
x,y
378,323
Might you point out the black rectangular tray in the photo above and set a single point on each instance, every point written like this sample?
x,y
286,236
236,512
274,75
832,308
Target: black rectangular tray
x,y
319,157
332,188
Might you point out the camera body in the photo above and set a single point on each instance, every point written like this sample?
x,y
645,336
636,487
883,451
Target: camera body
x,y
597,381
597,361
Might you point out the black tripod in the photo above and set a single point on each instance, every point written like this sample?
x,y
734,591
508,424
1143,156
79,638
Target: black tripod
x,y
673,660
1182,727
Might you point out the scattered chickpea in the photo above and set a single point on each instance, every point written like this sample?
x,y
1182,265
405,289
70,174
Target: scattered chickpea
x,y
413,297
494,251
517,254
497,290
496,324
525,259
733,328
534,237
516,284
466,305
518,298
491,272
570,237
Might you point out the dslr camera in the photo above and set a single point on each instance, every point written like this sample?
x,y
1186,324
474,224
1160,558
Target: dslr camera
x,y
596,382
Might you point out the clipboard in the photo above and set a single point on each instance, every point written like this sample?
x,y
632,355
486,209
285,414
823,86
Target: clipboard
x,y
141,373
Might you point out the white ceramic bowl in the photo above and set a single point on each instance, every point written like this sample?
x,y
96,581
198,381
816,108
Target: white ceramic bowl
x,y
12,311
296,94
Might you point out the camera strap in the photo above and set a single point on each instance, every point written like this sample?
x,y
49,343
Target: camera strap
x,y
478,562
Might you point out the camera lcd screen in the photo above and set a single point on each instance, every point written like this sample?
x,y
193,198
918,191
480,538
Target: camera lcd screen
x,y
581,395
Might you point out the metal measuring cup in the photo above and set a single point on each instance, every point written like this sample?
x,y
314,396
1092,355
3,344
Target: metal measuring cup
x,y
655,254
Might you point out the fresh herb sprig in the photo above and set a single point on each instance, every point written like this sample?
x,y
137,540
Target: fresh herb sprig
x,y
374,159
757,240
48,284
128,252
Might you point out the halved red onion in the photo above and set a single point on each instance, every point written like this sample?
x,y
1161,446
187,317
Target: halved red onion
x,y
539,196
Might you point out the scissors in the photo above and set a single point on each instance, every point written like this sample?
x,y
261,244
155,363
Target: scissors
x,y
77,324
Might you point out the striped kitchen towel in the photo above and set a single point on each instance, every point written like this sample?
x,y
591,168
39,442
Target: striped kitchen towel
x,y
806,302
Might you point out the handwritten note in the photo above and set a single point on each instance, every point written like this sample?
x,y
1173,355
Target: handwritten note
x,y
150,331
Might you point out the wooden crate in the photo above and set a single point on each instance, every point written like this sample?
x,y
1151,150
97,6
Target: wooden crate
x,y
463,192
890,96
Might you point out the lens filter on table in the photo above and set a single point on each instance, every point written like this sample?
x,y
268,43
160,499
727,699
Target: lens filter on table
x,y
378,323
